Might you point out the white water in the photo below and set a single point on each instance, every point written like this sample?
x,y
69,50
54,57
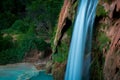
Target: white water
x,y
79,53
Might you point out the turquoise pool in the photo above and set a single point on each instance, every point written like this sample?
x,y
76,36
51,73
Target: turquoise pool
x,y
22,71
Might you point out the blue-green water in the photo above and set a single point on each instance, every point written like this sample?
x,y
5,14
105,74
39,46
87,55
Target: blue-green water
x,y
22,71
78,63
42,76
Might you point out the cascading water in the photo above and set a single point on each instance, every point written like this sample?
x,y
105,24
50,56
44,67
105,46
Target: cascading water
x,y
79,54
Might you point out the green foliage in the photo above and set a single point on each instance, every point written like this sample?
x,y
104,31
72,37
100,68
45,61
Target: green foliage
x,y
103,40
25,41
52,39
10,56
44,14
100,47
20,26
11,10
30,41
6,42
27,24
97,67
24,44
41,44
108,1
69,31
62,49
100,11
8,52
98,60
6,20
12,5
62,54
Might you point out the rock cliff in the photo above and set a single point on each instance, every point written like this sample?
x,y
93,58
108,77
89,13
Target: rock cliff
x,y
106,39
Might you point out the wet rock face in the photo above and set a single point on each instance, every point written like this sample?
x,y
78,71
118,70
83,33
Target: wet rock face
x,y
62,37
65,19
36,55
112,60
112,30
59,70
115,9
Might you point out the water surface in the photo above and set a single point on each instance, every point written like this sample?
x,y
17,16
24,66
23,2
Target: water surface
x,y
22,71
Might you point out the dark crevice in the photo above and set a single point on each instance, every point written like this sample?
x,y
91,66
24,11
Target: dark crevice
x,y
116,70
65,28
116,14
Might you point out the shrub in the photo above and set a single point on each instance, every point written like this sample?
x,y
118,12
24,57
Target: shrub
x,y
44,14
27,37
6,20
103,40
41,44
12,55
108,1
61,54
5,42
24,44
20,25
100,11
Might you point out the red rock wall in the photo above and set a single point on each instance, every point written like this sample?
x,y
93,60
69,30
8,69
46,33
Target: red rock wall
x,y
112,59
65,19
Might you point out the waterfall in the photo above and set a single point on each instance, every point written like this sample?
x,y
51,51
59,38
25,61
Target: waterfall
x,y
79,54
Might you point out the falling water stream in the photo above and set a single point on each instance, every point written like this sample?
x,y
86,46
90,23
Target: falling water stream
x,y
79,53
